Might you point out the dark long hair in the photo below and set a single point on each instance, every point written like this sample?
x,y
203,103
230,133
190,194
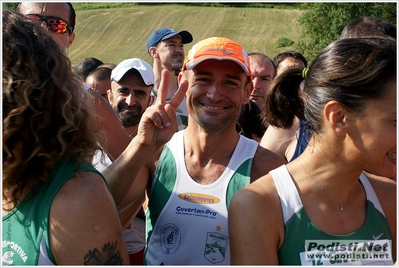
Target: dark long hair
x,y
350,71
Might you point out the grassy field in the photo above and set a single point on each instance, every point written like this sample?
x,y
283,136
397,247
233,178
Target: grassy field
x,y
113,35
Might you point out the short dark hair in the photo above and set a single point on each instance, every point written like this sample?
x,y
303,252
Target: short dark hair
x,y
86,66
101,73
264,56
250,121
289,54
72,16
368,26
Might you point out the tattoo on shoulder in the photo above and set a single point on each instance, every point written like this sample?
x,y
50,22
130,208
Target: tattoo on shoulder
x,y
108,255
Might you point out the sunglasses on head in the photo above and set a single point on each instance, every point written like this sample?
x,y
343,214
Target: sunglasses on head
x,y
54,24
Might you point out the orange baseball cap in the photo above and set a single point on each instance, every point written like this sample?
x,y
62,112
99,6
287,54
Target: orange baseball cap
x,y
217,48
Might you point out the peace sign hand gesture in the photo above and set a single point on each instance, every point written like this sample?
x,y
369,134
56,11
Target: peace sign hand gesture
x,y
157,126
158,123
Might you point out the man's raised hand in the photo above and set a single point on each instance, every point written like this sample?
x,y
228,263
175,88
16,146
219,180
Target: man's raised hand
x,y
158,123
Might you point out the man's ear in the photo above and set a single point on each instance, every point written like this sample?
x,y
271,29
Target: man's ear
x,y
334,114
109,95
247,91
151,100
70,40
181,77
153,52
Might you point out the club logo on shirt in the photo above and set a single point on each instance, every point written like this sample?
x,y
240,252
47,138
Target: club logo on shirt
x,y
215,248
10,248
170,238
199,198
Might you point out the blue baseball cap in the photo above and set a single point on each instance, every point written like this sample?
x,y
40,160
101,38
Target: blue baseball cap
x,y
165,33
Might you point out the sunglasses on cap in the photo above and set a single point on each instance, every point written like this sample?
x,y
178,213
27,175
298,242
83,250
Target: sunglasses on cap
x,y
54,24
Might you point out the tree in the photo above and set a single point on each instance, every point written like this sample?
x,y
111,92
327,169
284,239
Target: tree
x,y
10,6
322,23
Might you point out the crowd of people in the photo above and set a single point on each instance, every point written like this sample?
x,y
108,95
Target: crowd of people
x,y
217,157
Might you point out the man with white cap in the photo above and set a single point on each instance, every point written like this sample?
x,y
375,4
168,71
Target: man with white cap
x,y
192,178
166,47
130,93
129,96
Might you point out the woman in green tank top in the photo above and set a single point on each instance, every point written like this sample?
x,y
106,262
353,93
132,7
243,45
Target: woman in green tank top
x,y
57,209
320,209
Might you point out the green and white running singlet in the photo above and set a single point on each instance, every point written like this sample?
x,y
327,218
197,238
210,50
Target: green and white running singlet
x,y
26,228
305,244
187,221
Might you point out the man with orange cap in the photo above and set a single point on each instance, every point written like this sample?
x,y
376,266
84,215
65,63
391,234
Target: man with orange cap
x,y
192,177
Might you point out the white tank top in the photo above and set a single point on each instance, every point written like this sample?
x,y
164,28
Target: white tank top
x,y
187,221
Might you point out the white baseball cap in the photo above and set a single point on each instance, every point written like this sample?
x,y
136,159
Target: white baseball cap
x,y
144,68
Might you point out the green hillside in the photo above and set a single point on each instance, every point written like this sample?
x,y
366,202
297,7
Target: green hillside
x,y
113,35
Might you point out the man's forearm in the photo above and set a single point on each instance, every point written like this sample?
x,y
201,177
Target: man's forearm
x,y
122,173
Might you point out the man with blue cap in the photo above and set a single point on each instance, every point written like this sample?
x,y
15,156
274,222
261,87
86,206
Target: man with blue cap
x,y
165,46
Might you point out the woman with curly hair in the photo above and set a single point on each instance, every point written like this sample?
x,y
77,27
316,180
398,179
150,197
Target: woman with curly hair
x,y
57,209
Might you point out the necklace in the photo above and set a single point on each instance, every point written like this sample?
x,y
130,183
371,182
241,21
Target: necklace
x,y
341,206
132,133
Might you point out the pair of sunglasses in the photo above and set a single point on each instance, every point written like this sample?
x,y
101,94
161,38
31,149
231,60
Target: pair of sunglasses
x,y
54,24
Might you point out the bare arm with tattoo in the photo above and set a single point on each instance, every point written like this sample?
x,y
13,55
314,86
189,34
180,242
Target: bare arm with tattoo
x,y
84,224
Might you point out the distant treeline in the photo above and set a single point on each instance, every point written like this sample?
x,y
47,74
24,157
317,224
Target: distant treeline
x,y
320,22
104,5
236,4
